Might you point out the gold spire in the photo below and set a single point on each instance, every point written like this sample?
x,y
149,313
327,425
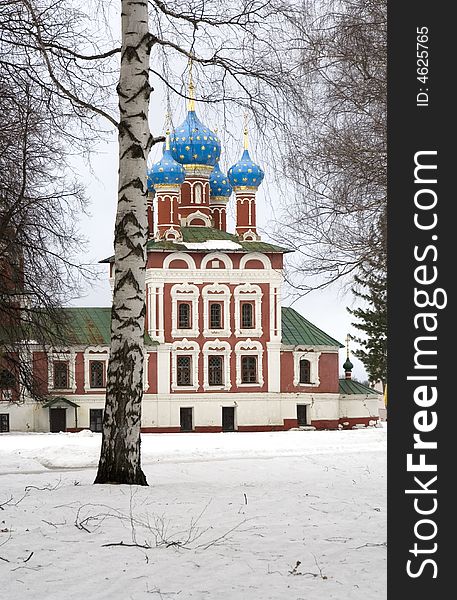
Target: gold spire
x,y
348,339
245,132
191,93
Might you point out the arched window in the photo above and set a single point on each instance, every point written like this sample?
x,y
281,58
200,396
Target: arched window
x,y
97,379
247,315
184,319
198,193
305,371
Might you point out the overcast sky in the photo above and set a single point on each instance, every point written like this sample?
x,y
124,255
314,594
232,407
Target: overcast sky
x,y
326,309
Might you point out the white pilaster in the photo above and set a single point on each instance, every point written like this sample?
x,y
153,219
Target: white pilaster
x,y
274,366
163,368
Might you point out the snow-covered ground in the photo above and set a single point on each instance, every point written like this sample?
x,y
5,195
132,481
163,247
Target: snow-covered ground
x,y
245,516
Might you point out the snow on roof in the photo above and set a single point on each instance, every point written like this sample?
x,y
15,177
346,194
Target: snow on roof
x,y
213,245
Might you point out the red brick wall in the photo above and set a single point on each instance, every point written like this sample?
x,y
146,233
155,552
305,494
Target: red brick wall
x,y
328,374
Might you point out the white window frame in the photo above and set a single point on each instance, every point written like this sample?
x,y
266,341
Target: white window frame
x,y
184,292
255,256
103,356
179,256
184,348
217,348
247,292
313,358
249,348
216,293
62,355
221,257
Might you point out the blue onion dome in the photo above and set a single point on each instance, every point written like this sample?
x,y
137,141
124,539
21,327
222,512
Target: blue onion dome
x,y
167,171
192,143
219,184
150,184
245,172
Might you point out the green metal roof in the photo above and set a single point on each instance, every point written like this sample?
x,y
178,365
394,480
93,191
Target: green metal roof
x,y
349,386
59,400
204,234
298,331
90,326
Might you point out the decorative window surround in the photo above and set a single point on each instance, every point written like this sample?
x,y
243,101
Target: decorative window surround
x,y
255,256
198,214
62,355
313,358
179,256
249,348
184,292
216,293
247,292
100,353
223,258
187,348
221,349
103,356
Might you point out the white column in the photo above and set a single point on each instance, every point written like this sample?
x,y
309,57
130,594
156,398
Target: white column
x,y
160,325
163,368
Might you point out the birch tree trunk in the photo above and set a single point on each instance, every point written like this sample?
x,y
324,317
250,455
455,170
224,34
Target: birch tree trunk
x,y
120,460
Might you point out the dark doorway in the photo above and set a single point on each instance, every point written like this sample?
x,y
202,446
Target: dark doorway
x,y
302,417
57,419
96,419
186,419
228,418
4,423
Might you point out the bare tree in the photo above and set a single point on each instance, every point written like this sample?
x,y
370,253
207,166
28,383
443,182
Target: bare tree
x,y
243,52
38,235
336,143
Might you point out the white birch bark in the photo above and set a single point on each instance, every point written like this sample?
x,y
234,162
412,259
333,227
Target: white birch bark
x,y
120,460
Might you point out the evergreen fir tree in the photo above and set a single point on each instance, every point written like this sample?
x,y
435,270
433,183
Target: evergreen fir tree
x,y
371,288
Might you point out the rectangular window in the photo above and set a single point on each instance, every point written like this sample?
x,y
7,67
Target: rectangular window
x,y
183,370
97,374
61,375
4,423
184,315
186,418
215,315
215,370
247,315
305,371
96,419
249,369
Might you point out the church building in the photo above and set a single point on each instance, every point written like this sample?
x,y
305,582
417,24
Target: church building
x,y
221,352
